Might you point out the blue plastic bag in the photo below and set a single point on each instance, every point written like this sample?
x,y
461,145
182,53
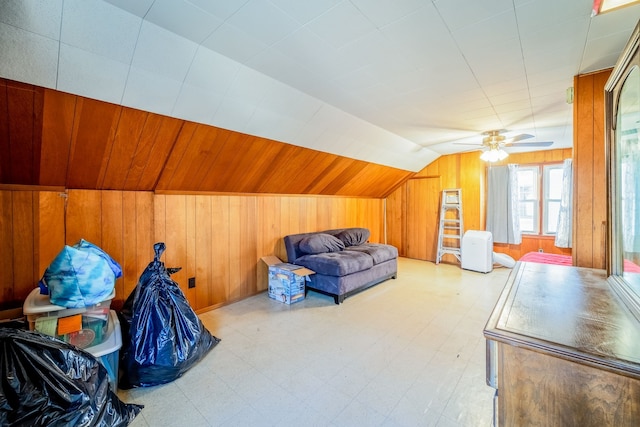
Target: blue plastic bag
x,y
80,276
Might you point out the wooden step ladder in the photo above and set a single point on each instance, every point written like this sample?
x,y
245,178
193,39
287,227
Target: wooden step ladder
x,y
451,229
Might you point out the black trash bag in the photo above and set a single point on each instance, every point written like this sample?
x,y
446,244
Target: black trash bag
x,y
162,335
47,382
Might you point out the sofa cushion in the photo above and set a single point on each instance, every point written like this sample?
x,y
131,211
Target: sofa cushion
x,y
379,252
336,263
354,236
320,243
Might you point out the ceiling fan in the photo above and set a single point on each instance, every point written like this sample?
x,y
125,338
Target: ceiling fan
x,y
494,141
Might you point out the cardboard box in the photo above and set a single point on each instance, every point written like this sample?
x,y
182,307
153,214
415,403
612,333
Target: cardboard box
x,y
286,282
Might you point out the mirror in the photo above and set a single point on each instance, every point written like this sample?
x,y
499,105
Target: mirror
x,y
622,94
628,169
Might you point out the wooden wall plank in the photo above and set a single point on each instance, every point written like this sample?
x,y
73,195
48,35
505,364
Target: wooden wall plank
x,y
57,128
145,238
204,148
114,235
328,169
599,199
583,183
176,239
24,280
287,162
154,147
337,185
396,220
180,147
222,258
419,220
91,142
589,171
123,147
268,228
204,241
129,249
23,148
236,284
7,259
50,233
190,247
83,217
5,161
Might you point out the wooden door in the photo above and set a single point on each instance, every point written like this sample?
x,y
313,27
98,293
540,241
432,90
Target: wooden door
x,y
423,204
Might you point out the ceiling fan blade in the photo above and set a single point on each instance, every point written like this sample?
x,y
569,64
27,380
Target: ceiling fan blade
x,y
479,144
520,137
531,144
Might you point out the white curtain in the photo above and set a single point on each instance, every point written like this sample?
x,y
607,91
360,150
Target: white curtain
x,y
503,219
630,203
565,218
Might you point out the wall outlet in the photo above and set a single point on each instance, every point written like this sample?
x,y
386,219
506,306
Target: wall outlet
x,y
192,282
539,250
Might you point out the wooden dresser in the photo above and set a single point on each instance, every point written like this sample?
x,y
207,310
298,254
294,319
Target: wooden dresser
x,y
563,350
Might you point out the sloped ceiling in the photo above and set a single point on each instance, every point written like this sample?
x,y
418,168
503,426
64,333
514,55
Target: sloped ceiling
x,y
392,83
55,139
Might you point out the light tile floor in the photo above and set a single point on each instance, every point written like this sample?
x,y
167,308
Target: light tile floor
x,y
407,352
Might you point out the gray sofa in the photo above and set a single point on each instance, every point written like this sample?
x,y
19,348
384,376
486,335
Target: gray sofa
x,y
343,262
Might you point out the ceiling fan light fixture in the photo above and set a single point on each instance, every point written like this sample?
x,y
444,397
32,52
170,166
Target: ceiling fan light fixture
x,y
494,155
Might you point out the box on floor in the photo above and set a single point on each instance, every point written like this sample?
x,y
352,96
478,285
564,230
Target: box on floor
x,y
285,282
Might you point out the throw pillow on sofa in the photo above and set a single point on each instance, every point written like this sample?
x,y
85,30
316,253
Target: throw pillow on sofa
x,y
320,243
354,236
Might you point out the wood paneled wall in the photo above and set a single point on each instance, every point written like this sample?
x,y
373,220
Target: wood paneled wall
x,y
415,234
52,138
218,239
590,191
31,232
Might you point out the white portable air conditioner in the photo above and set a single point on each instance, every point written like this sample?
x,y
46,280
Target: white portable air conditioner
x,y
477,251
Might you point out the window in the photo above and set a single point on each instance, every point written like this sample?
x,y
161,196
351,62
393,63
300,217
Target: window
x,y
539,192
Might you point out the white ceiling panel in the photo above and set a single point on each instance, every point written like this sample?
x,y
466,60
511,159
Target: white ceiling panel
x,y
42,17
221,9
234,43
304,12
212,71
341,25
197,104
163,53
277,65
183,19
491,31
233,114
136,7
149,91
263,21
461,13
39,67
101,28
91,75
363,78
535,15
383,13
